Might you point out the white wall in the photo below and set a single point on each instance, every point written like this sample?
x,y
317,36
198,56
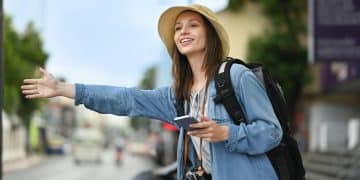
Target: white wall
x,y
329,126
13,146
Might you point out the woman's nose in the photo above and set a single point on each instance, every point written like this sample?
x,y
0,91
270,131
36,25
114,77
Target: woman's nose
x,y
184,30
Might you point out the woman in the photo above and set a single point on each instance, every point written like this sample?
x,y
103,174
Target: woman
x,y
197,44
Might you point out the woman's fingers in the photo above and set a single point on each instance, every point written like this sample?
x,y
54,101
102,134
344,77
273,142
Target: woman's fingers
x,y
30,92
198,125
201,128
31,81
203,124
38,88
28,87
202,134
199,131
209,130
32,96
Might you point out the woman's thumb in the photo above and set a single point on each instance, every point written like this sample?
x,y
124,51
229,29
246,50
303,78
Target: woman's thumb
x,y
43,71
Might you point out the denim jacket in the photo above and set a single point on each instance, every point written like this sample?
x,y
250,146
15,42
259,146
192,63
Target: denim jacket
x,y
242,156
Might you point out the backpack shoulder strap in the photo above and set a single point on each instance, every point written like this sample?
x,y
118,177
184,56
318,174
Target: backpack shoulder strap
x,y
224,90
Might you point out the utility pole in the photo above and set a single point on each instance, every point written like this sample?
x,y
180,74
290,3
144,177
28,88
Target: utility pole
x,y
1,77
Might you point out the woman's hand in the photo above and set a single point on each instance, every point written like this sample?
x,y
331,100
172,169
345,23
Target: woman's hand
x,y
45,87
209,130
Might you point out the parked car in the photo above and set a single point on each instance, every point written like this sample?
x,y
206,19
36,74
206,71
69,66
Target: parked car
x,y
87,145
55,145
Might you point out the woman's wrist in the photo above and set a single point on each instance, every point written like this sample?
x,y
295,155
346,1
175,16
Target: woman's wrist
x,y
225,133
65,89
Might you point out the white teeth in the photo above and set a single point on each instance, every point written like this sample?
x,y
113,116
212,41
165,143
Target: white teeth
x,y
185,40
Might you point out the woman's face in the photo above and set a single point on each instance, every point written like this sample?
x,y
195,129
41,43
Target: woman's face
x,y
190,33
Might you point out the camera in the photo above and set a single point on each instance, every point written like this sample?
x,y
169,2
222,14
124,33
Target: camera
x,y
190,175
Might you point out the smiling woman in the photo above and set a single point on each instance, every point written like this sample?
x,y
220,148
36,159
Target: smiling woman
x,y
218,149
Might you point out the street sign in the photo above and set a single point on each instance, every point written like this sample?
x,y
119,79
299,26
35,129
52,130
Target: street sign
x,y
334,30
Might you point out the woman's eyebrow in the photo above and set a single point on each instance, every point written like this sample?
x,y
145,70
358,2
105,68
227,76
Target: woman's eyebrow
x,y
190,20
194,20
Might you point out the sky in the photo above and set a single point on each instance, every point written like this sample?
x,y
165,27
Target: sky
x,y
110,42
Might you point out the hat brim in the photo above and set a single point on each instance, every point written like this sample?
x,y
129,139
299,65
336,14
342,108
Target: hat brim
x,y
167,22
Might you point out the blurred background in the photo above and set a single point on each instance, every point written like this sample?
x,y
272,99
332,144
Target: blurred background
x,y
311,47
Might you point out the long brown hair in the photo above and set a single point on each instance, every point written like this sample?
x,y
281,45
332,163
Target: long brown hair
x,y
181,70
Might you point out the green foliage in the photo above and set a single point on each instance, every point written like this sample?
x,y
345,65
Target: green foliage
x,y
147,82
286,16
280,49
23,53
286,61
235,5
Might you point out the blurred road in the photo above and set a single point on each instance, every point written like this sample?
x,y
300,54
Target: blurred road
x,y
63,167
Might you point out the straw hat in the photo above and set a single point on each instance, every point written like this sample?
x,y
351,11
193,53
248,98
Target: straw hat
x,y
167,23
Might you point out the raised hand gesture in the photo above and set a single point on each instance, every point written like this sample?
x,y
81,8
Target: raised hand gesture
x,y
46,86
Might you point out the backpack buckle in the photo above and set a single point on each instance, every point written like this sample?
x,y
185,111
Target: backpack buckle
x,y
220,82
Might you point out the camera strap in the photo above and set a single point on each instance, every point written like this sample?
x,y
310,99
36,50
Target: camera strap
x,y
200,170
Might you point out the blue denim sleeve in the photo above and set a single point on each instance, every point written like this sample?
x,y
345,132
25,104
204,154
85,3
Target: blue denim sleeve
x,y
262,131
156,104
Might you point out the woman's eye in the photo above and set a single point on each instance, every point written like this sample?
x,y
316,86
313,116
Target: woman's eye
x,y
177,28
194,25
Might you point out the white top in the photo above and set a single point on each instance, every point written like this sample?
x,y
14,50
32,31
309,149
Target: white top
x,y
196,100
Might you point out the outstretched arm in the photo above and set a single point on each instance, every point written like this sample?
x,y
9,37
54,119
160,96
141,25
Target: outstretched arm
x,y
157,104
47,86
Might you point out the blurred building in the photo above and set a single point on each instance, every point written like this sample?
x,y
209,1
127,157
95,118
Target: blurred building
x,y
333,99
60,123
243,25
13,139
331,104
331,111
60,116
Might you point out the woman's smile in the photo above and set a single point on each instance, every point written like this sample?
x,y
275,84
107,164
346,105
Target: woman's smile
x,y
185,41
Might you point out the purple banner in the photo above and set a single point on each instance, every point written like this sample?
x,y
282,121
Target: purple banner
x,y
335,29
337,73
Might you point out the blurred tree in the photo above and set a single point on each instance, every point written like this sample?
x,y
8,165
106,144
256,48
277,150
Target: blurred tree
x,y
235,5
148,82
280,49
23,53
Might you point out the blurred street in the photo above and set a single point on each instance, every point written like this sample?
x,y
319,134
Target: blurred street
x,y
312,48
63,167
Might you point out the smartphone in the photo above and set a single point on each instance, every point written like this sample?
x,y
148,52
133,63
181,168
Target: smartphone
x,y
185,121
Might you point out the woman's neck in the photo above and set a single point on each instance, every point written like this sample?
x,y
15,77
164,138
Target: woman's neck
x,y
199,75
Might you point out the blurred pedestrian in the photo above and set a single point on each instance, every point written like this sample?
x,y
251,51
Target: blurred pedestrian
x,y
219,149
119,144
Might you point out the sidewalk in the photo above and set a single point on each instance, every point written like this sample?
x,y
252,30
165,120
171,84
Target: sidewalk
x,y
19,164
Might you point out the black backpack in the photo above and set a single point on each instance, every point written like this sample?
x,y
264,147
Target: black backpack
x,y
285,158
